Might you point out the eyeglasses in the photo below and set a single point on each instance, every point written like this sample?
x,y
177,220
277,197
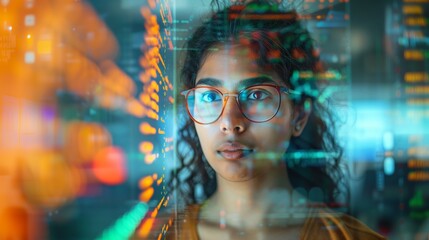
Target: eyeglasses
x,y
258,103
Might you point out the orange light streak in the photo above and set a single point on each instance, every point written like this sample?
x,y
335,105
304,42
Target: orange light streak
x,y
152,114
146,147
147,194
412,9
159,181
413,163
418,176
155,97
413,55
146,227
416,77
135,108
149,159
147,129
154,106
146,182
415,21
162,61
109,166
417,90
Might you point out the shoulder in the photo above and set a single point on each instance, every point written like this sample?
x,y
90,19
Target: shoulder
x,y
327,224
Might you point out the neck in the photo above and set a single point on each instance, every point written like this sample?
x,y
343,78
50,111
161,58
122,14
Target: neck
x,y
247,204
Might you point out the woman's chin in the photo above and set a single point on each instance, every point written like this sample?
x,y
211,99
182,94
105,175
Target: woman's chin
x,y
237,172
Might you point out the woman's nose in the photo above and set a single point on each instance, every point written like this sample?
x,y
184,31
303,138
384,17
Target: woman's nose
x,y
232,119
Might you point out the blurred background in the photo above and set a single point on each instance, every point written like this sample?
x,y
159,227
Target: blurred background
x,y
87,117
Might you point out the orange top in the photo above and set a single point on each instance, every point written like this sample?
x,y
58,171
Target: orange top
x,y
321,225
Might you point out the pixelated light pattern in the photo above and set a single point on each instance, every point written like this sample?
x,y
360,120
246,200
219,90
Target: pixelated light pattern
x,y
155,98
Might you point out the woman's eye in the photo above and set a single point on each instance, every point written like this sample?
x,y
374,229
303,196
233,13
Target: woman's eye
x,y
210,96
257,95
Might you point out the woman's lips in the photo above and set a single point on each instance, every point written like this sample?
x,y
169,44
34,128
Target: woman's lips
x,y
234,155
233,150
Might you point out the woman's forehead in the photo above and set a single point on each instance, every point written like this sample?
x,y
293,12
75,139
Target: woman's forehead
x,y
232,65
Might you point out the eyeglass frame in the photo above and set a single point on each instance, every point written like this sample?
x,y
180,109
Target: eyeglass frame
x,y
225,97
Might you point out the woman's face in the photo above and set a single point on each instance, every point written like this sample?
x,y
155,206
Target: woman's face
x,y
236,148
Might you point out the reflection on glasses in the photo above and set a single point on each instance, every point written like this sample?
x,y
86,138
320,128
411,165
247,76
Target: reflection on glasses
x,y
258,103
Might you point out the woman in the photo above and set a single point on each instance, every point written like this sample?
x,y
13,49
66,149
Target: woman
x,y
258,157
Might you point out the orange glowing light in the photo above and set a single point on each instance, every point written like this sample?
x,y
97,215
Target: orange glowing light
x,y
146,182
413,55
155,211
150,158
152,114
44,47
154,85
417,90
146,227
135,108
145,98
47,180
146,147
147,129
14,222
418,176
109,166
84,140
144,77
412,9
415,21
154,106
414,77
159,181
155,97
152,41
413,163
147,194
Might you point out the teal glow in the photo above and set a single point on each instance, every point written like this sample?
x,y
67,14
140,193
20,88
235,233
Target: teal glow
x,y
125,226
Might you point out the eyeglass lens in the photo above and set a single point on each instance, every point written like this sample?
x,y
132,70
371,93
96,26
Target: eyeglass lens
x,y
257,103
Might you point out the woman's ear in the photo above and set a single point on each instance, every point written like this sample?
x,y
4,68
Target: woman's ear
x,y
301,114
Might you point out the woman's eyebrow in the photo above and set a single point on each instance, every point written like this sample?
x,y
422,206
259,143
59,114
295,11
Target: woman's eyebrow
x,y
210,81
256,81
242,84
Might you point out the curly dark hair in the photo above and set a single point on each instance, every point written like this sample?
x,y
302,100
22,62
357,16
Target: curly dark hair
x,y
285,46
